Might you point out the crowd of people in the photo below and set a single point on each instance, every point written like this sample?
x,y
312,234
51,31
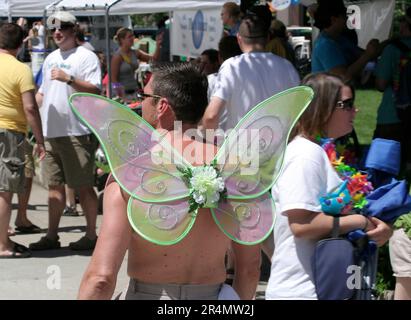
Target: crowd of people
x,y
254,61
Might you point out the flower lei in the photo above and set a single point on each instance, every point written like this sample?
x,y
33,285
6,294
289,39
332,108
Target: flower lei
x,y
357,183
206,186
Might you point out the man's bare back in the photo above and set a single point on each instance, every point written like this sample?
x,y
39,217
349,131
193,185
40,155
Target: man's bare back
x,y
198,258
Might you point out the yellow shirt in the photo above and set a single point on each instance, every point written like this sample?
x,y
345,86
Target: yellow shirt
x,y
15,79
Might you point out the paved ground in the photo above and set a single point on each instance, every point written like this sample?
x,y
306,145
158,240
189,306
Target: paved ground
x,y
37,277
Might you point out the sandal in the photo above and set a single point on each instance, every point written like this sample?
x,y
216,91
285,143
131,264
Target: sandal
x,y
10,232
19,251
83,244
30,229
70,212
45,244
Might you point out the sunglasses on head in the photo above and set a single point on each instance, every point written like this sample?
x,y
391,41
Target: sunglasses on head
x,y
62,27
345,104
141,96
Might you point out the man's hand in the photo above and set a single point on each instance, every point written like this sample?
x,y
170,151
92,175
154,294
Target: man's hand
x,y
39,150
381,233
373,49
60,75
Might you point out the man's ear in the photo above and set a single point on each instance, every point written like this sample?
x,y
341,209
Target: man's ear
x,y
163,107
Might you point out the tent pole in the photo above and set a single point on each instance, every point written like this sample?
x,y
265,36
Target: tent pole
x,y
110,90
108,57
45,32
170,26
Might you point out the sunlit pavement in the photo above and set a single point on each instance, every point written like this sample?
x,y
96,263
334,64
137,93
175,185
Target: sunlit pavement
x,y
52,274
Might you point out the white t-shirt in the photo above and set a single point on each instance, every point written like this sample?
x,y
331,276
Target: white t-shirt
x,y
246,80
37,43
307,175
56,116
88,46
211,85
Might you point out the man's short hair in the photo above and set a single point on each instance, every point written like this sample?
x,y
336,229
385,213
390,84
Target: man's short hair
x,y
212,55
11,36
185,88
326,10
233,9
252,29
228,47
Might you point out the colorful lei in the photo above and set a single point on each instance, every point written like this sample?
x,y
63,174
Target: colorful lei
x,y
357,184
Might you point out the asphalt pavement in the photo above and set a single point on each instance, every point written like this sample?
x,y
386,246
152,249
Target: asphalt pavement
x,y
52,274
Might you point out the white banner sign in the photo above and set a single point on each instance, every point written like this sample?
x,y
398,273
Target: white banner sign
x,y
376,18
194,31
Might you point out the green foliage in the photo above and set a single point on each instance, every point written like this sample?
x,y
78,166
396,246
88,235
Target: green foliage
x,y
385,280
147,20
400,7
367,101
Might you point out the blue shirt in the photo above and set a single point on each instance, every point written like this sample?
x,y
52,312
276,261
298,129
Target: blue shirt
x,y
329,53
386,68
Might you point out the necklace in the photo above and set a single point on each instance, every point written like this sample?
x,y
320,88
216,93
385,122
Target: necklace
x,y
357,184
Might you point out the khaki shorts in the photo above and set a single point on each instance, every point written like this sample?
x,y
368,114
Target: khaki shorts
x,y
400,254
29,167
11,161
70,160
151,291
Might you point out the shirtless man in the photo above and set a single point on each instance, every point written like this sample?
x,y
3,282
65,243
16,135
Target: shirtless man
x,y
193,268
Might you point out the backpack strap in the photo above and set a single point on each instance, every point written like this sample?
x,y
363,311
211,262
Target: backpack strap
x,y
336,227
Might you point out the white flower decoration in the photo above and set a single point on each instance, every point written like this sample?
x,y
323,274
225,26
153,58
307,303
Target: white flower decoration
x,y
206,186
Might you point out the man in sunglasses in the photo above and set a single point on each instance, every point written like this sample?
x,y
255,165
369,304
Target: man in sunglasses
x,y
69,144
194,267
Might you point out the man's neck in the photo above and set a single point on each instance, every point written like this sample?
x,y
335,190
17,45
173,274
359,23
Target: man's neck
x,y
332,32
253,48
11,52
68,47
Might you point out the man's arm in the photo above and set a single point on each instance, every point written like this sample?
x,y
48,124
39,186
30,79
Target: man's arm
x,y
39,99
381,84
99,280
347,73
212,113
31,111
77,84
247,269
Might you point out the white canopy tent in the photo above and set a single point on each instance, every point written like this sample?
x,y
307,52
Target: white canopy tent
x,y
127,7
124,7
23,8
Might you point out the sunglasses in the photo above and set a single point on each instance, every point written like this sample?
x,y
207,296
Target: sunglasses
x,y
62,27
347,105
142,96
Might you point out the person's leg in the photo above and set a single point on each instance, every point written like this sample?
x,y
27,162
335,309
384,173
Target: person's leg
x,y
22,222
56,202
400,258
79,169
5,215
402,289
71,206
89,204
11,181
23,201
70,197
53,172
